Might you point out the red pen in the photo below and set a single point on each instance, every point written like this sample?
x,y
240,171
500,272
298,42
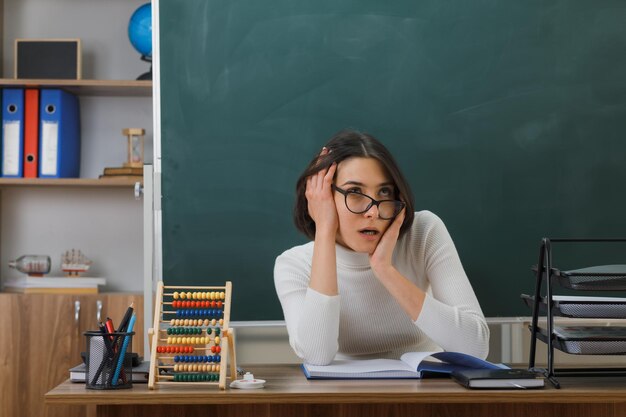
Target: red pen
x,y
109,326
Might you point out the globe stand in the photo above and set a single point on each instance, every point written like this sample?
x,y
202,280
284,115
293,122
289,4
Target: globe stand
x,y
146,75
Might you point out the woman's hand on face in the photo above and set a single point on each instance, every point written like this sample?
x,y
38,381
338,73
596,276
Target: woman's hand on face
x,y
381,257
321,203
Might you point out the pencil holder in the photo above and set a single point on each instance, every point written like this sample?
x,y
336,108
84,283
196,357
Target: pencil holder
x,y
109,360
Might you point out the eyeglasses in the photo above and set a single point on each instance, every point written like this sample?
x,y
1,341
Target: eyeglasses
x,y
359,203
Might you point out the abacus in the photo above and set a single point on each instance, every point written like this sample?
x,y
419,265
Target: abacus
x,y
190,340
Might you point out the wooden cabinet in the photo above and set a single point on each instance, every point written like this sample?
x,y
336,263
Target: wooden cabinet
x,y
42,337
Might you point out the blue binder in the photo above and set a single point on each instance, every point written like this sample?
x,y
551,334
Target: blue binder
x,y
12,132
59,134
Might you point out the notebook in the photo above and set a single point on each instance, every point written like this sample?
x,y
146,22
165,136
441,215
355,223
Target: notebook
x,y
498,378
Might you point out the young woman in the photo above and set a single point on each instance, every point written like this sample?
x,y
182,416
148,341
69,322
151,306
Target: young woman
x,y
377,278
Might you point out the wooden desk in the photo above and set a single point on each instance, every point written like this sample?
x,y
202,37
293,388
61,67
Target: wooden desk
x,y
288,393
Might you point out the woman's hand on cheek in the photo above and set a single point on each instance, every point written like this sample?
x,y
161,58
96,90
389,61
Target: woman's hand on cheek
x,y
381,257
321,203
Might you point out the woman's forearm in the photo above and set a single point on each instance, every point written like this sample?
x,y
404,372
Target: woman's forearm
x,y
324,264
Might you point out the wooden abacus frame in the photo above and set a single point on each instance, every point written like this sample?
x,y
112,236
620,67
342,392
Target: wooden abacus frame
x,y
158,337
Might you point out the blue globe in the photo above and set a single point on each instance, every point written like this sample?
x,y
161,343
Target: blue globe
x,y
140,30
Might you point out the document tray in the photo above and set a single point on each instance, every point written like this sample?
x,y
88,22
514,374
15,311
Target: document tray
x,y
601,278
588,340
581,307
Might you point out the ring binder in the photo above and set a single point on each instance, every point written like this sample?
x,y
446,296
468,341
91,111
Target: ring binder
x,y
59,143
12,132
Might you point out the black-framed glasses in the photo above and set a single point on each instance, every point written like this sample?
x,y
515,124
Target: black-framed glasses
x,y
359,203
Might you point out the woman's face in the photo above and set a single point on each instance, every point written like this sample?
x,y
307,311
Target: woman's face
x,y
362,232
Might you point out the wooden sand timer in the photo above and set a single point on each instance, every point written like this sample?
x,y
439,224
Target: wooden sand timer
x,y
135,147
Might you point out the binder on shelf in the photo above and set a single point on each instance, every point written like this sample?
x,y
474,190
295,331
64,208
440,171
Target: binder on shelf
x,y
59,137
12,132
31,132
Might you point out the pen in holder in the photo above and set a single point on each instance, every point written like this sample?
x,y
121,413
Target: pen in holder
x,y
109,360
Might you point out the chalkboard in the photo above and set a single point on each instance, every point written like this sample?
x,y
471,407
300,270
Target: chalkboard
x,y
508,119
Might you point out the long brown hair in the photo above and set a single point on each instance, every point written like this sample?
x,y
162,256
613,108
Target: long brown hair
x,y
343,145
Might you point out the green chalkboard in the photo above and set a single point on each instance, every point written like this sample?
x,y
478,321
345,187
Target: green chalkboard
x,y
508,118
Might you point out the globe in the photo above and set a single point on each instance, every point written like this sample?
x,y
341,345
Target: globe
x,y
140,30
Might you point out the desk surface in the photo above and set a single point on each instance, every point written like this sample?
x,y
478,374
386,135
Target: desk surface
x,y
287,385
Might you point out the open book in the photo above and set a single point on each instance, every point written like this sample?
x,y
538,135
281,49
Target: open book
x,y
410,365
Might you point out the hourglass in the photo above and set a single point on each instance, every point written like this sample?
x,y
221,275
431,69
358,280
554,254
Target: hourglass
x,y
135,147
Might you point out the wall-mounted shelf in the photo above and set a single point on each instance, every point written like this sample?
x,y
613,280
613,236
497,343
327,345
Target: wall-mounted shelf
x,y
104,88
67,182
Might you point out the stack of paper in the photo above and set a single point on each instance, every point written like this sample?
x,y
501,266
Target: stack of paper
x,y
53,285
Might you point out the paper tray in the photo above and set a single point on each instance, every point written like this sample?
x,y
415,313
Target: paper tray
x,y
587,340
595,278
582,307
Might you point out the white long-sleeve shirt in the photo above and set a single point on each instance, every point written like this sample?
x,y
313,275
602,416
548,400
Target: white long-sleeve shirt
x,y
364,319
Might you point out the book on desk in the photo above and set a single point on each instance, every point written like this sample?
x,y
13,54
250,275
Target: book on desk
x,y
411,365
140,372
498,378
